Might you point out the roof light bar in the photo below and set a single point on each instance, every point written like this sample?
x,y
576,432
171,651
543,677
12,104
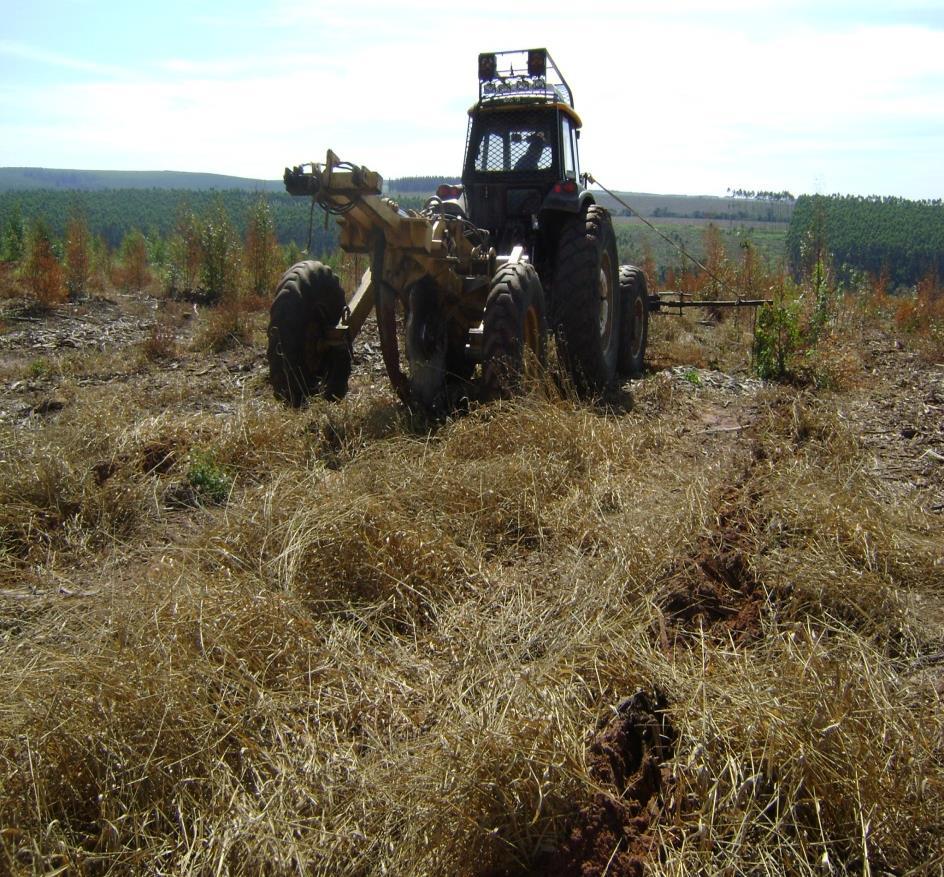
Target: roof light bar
x,y
503,74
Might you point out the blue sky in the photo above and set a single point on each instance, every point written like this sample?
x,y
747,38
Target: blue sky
x,y
676,96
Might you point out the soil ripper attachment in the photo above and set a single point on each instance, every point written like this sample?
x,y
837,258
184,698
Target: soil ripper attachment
x,y
460,303
434,263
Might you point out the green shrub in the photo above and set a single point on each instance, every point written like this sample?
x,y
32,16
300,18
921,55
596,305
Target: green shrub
x,y
221,252
208,478
777,338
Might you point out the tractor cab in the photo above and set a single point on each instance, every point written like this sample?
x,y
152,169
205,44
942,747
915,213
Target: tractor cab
x,y
521,162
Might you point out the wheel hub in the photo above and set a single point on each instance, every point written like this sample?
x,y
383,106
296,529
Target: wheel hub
x,y
638,318
606,303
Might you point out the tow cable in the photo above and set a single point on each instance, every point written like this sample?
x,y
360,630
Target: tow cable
x,y
680,303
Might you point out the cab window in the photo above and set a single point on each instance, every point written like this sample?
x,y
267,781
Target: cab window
x,y
493,152
569,149
514,142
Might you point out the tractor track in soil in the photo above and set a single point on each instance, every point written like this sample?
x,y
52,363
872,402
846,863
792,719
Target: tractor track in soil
x,y
895,418
612,833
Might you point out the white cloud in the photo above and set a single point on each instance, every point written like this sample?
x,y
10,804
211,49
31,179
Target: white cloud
x,y
38,55
721,101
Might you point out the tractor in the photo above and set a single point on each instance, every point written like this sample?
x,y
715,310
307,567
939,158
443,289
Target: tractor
x,y
474,283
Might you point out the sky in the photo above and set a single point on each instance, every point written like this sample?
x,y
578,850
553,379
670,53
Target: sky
x,y
678,96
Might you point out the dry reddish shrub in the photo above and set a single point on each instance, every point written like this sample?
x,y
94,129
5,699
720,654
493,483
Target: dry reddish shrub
x,y
161,342
224,326
922,317
41,272
131,272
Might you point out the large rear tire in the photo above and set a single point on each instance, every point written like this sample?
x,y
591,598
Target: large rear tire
x,y
634,330
308,303
514,334
587,301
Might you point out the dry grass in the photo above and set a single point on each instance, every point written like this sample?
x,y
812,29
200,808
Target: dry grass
x,y
225,326
389,649
702,342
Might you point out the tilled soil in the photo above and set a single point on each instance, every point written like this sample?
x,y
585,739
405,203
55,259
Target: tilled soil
x,y
611,834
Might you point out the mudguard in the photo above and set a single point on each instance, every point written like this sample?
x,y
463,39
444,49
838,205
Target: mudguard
x,y
568,202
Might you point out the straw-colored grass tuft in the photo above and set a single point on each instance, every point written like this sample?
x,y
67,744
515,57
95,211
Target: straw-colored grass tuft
x,y
539,638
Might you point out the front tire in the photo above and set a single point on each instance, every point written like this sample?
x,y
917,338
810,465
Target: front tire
x,y
514,334
634,331
308,303
587,301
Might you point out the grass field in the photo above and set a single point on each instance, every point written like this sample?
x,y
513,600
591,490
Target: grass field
x,y
712,207
698,629
638,243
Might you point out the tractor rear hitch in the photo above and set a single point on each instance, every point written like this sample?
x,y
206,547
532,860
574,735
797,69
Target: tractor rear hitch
x,y
666,302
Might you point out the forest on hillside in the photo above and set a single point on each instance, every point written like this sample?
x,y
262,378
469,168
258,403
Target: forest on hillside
x,y
66,179
898,239
893,237
114,213
63,179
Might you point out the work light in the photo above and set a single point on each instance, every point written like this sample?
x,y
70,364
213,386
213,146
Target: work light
x,y
537,62
488,66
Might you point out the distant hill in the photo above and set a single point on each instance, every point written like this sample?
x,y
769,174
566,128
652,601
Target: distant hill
x,y
649,205
424,186
23,178
700,207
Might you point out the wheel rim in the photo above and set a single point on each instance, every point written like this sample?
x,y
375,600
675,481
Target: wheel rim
x,y
638,318
606,303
